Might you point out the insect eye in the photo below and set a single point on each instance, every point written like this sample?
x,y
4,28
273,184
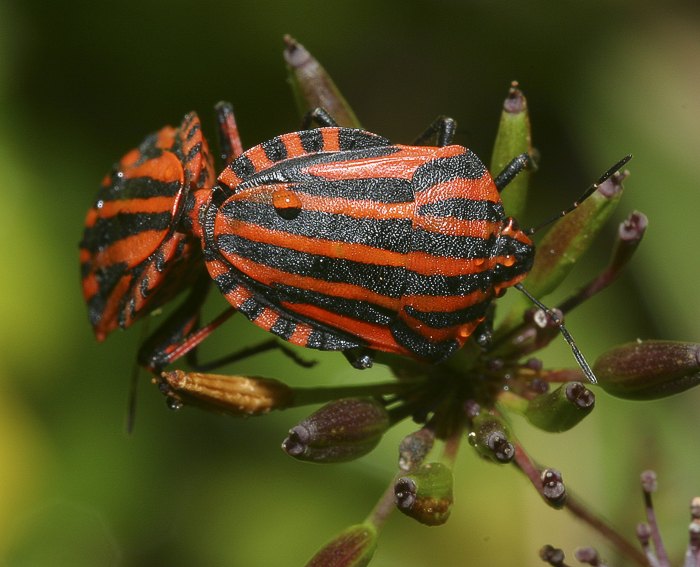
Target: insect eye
x,y
286,203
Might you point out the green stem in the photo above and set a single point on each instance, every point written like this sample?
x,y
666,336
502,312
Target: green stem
x,y
308,396
383,509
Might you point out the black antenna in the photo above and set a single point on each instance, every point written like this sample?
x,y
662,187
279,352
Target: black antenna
x,y
578,355
587,193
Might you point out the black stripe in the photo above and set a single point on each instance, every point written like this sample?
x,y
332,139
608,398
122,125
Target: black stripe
x,y
293,169
107,277
464,209
389,234
449,246
274,149
311,140
353,139
107,231
360,310
378,190
442,320
441,170
194,151
148,149
419,345
383,280
323,340
251,308
242,166
191,131
283,328
123,188
227,282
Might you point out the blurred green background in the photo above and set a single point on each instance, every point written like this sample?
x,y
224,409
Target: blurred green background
x,y
82,82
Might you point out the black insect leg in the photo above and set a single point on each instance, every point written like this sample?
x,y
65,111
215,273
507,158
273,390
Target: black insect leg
x,y
510,171
442,131
174,337
318,116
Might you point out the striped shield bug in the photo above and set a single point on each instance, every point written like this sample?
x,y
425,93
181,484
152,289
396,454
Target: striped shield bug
x,y
331,238
336,239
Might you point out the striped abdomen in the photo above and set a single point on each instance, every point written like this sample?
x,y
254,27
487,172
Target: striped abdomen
x,y
334,238
133,256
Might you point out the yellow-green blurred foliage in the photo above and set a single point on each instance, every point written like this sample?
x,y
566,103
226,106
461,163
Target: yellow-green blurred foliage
x,y
82,82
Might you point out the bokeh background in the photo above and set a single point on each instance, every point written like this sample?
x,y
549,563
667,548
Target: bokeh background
x,y
81,82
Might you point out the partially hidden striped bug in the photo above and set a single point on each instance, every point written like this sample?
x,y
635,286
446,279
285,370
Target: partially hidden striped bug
x,y
330,238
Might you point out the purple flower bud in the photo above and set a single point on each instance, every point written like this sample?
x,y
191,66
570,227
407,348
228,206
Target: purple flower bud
x,y
553,488
342,430
353,547
646,370
425,494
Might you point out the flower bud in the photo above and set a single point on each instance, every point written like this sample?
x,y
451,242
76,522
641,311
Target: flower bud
x,y
489,436
512,139
313,87
235,395
562,408
414,448
647,370
567,240
342,430
353,547
553,488
425,494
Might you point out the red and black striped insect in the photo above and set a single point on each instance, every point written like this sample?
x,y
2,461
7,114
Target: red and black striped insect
x,y
330,238
337,239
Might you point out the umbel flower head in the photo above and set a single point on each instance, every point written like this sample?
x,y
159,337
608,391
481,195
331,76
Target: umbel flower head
x,y
470,395
648,534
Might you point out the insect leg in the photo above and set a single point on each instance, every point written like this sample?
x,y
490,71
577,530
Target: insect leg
x,y
230,146
319,116
510,171
442,130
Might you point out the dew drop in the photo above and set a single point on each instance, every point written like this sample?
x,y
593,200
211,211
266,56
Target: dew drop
x,y
286,203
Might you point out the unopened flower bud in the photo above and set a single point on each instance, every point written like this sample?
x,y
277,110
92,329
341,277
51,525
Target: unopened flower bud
x,y
353,547
489,436
235,395
312,85
425,494
553,489
647,370
342,430
562,408
414,448
589,556
552,555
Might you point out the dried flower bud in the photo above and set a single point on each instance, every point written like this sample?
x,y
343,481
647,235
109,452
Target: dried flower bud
x,y
313,86
562,408
588,555
353,547
553,489
342,430
414,448
425,494
489,436
552,555
647,370
235,395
